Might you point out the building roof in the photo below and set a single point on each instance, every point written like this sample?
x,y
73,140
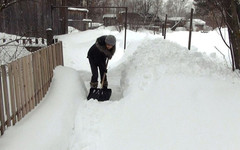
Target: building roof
x,y
109,16
176,18
199,22
78,9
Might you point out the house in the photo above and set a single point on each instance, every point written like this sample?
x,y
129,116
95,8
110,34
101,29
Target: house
x,y
132,18
198,24
77,18
32,18
109,19
174,22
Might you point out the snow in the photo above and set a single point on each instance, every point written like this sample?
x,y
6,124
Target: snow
x,y
52,119
87,20
164,97
109,16
199,22
78,9
176,18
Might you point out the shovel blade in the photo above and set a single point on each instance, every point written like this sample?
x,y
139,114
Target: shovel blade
x,y
99,94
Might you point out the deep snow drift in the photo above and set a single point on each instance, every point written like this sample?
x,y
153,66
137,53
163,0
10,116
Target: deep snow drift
x,y
164,97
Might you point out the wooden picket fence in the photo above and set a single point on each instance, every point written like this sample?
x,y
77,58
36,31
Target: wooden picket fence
x,y
24,83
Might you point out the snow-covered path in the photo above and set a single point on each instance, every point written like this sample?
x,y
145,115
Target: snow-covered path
x,y
164,97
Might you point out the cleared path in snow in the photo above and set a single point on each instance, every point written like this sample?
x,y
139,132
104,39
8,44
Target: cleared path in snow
x,y
113,81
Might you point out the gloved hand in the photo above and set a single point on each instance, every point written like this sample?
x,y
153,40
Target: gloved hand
x,y
105,70
109,57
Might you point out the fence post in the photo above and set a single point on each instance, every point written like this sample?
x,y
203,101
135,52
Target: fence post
x,y
190,31
125,37
162,29
49,36
165,27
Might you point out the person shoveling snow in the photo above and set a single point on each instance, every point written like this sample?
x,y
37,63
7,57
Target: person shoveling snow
x,y
98,56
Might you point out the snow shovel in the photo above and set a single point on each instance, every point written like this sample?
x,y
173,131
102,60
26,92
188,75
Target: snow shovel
x,y
101,94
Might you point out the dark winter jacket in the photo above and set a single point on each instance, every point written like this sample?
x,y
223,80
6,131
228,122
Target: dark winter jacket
x,y
99,52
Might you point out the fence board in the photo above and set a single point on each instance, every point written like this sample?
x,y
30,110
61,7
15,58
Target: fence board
x,y
31,82
21,84
50,58
2,117
6,97
35,81
61,53
43,71
17,91
40,89
12,92
28,73
57,54
47,68
39,77
54,56
25,84
29,92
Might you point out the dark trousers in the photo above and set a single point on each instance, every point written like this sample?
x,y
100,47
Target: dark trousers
x,y
94,69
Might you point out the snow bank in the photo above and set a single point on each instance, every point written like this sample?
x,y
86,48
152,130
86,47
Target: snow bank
x,y
157,58
173,98
49,126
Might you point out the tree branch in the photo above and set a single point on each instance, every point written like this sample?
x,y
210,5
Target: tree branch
x,y
5,4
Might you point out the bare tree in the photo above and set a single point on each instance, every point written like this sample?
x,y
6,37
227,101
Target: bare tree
x,y
157,7
228,17
7,3
12,48
144,8
177,8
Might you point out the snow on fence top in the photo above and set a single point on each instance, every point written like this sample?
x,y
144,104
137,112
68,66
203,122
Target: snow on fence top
x,y
78,9
87,20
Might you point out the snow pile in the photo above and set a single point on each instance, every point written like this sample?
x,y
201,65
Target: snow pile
x,y
157,58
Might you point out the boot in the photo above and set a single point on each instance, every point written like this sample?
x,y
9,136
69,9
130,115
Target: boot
x,y
93,84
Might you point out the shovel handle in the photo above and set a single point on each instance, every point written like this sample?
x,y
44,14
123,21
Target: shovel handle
x,y
104,75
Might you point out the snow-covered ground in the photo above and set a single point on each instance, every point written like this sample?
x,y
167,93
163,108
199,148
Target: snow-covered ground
x,y
164,97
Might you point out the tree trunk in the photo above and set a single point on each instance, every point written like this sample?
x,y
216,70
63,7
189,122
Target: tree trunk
x,y
234,34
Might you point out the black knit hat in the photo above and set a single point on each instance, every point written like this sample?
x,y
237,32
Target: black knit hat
x,y
110,40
